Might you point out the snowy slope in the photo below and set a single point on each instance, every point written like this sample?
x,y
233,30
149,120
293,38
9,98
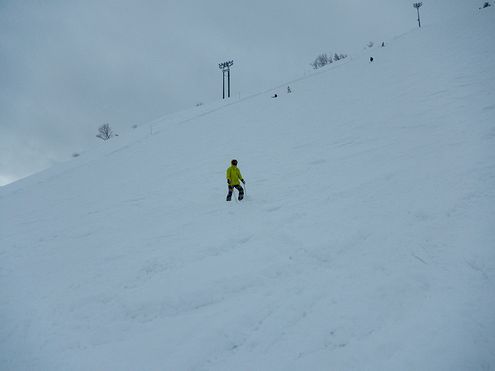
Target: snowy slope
x,y
366,241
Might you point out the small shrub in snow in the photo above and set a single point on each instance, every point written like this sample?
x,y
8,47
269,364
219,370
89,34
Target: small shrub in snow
x,y
324,59
338,57
321,60
199,104
75,154
105,132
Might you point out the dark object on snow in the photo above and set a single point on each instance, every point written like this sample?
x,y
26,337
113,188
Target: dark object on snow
x,y
371,59
288,90
274,96
486,4
383,44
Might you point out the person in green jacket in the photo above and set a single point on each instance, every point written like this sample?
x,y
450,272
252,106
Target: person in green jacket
x,y
234,178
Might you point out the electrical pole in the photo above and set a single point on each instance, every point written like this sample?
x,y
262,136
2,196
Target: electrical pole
x,y
417,6
225,67
223,84
228,81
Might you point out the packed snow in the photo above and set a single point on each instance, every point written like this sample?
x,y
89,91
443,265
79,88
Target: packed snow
x,y
366,240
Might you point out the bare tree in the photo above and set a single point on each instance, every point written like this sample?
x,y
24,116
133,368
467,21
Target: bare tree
x,y
323,59
105,132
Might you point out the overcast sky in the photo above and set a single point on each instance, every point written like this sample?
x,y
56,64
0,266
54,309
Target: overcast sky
x,y
66,67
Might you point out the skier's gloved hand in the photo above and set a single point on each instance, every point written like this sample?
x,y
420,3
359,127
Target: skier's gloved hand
x,y
243,181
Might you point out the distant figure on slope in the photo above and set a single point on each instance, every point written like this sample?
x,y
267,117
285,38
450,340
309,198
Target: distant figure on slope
x,y
371,59
274,96
383,44
288,90
233,178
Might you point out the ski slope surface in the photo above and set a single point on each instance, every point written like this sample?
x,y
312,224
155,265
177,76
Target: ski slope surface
x,y
366,240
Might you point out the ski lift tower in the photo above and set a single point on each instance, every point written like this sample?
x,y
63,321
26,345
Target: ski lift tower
x,y
417,6
225,67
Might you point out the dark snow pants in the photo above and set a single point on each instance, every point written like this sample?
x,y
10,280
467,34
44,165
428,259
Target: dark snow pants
x,y
231,189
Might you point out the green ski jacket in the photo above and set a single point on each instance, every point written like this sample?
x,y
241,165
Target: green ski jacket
x,y
234,175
